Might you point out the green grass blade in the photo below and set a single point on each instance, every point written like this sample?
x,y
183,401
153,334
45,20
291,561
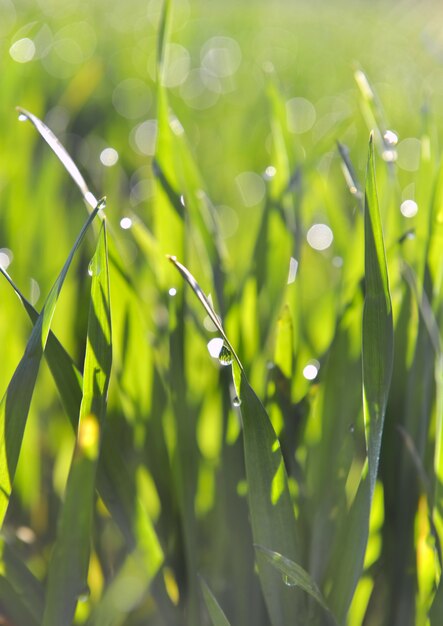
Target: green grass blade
x,y
347,561
378,332
349,173
162,37
15,404
70,560
114,484
67,377
215,611
295,576
55,144
271,509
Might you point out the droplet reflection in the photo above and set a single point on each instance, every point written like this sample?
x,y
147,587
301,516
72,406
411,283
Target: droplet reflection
x,y
391,138
320,236
125,223
215,346
310,370
409,208
109,157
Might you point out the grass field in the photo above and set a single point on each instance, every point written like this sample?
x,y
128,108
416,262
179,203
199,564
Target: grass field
x,y
234,360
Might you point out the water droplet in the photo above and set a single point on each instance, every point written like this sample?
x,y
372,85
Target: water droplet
x,y
310,371
289,581
320,236
34,294
182,200
125,223
293,267
351,428
6,257
109,157
101,203
389,156
225,356
215,347
409,208
236,401
22,117
93,268
172,292
270,172
391,138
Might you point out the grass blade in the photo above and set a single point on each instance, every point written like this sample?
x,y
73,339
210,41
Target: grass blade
x,y
15,404
114,484
377,359
378,331
215,611
55,144
70,560
272,514
295,576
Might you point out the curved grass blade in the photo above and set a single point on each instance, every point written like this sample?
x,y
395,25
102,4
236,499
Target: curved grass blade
x,y
14,406
205,302
349,172
347,560
114,484
215,611
55,144
270,504
68,567
296,576
162,37
378,330
67,377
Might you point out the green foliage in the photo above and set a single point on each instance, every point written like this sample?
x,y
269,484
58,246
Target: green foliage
x,y
293,474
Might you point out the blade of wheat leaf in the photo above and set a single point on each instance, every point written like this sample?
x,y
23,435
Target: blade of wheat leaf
x,y
67,377
61,152
349,171
162,37
270,504
69,563
347,560
14,406
205,302
378,331
114,483
215,611
296,576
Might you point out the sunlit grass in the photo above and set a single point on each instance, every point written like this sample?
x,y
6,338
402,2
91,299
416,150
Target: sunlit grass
x,y
265,447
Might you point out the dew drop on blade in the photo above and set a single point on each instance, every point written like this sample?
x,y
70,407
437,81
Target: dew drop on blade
x,y
93,268
289,581
22,117
236,401
225,356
